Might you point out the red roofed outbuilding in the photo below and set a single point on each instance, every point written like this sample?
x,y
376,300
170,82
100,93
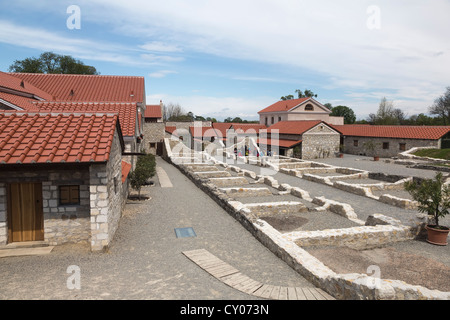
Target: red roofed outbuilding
x,y
60,177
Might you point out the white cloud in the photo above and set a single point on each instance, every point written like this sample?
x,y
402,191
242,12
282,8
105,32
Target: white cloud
x,y
161,73
408,58
160,47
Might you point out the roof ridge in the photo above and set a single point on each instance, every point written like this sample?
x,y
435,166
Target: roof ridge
x,y
73,74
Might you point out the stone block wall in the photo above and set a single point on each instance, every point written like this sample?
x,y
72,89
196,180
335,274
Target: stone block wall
x,y
62,223
153,133
392,151
106,201
320,143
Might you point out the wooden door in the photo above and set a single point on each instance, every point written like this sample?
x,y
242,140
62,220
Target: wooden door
x,y
25,211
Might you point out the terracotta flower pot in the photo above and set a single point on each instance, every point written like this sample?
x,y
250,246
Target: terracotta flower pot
x,y
437,236
376,158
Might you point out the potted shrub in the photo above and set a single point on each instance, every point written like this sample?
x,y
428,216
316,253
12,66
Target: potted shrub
x,y
433,197
370,147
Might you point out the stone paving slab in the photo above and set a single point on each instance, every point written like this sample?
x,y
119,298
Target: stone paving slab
x,y
235,279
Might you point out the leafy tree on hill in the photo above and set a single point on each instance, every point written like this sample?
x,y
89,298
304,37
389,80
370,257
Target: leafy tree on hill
x,y
52,63
441,107
306,94
344,111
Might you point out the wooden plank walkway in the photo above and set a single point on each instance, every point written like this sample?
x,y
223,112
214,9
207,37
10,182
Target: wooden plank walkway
x,y
235,279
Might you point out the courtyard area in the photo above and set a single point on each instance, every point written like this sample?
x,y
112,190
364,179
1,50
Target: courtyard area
x,y
147,258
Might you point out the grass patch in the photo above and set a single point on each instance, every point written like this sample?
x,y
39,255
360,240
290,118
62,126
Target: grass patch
x,y
434,153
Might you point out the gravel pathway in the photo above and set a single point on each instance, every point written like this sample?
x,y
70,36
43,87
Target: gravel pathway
x,y
145,259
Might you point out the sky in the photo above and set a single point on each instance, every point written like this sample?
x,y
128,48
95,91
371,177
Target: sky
x,y
234,58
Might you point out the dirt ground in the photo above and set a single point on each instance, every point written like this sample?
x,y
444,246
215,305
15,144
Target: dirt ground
x,y
412,268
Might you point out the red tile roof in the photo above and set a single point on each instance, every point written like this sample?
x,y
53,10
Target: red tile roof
x,y
127,111
27,138
10,84
199,132
248,127
13,101
93,88
221,127
284,105
153,111
281,143
126,168
294,127
405,132
170,129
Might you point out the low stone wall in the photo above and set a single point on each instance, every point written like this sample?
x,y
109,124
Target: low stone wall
x,y
212,174
247,192
359,238
398,202
229,182
261,209
342,286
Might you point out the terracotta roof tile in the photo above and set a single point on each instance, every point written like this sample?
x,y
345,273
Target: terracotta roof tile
x,y
222,128
55,138
203,132
281,142
284,105
153,111
9,81
127,111
405,132
294,127
126,168
69,87
248,127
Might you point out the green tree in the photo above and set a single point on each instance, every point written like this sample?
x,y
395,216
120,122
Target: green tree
x,y
441,107
328,105
145,169
289,97
306,94
386,114
52,63
30,65
346,112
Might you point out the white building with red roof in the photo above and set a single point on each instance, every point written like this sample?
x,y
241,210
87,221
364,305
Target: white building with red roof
x,y
297,110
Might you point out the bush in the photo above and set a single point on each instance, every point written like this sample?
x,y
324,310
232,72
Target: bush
x,y
145,169
433,196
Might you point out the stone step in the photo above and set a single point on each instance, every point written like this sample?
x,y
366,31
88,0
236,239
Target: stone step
x,y
24,244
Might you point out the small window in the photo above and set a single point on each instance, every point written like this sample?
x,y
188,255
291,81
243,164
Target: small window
x,y
385,145
152,145
402,146
116,185
267,121
273,120
355,143
69,195
309,107
279,119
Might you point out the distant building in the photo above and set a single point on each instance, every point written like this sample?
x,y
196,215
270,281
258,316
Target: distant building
x,y
154,129
297,110
389,141
301,139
